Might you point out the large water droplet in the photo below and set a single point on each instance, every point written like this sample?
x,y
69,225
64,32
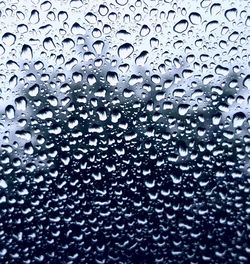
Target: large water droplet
x,y
26,53
195,18
238,119
231,14
125,50
246,81
8,39
112,78
181,26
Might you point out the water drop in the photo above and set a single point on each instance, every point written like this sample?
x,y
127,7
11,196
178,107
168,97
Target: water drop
x,y
112,78
238,119
3,184
8,39
10,112
231,14
76,29
121,2
181,26
145,30
98,46
34,17
91,18
246,81
26,53
21,103
62,16
2,50
125,50
142,58
103,10
183,109
49,44
195,18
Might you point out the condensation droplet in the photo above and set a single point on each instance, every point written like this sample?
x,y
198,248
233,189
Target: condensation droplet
x,y
26,53
195,18
34,17
238,119
181,26
121,2
246,81
125,50
9,39
112,78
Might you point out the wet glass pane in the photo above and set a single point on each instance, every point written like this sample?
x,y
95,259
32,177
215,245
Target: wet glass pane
x,y
124,131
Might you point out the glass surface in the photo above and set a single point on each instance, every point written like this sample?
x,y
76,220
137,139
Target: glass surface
x,y
124,131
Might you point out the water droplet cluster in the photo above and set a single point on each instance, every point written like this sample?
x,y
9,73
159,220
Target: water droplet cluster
x,y
124,131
